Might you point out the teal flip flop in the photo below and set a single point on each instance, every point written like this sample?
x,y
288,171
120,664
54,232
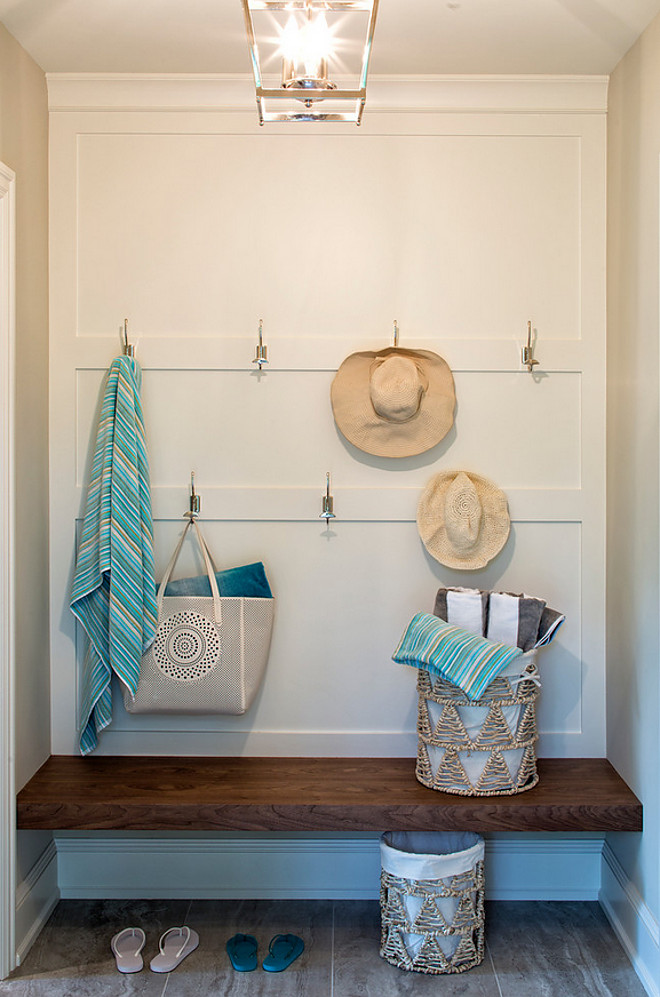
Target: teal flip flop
x,y
282,951
242,952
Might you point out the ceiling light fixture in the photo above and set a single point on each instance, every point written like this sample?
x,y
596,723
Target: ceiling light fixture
x,y
301,43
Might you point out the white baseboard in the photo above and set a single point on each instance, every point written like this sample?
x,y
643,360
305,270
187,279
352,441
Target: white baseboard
x,y
518,867
256,867
538,867
634,923
36,898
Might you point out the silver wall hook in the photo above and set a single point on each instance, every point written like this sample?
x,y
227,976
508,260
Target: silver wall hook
x,y
527,352
261,356
396,333
328,501
129,349
195,501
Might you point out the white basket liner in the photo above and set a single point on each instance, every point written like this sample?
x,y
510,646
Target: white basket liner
x,y
519,666
474,762
473,723
430,854
473,717
413,943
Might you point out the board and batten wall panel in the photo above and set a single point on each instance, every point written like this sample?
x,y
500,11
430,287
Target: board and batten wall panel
x,y
462,226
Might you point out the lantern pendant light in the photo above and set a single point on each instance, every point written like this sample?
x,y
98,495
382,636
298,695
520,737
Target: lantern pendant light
x,y
310,52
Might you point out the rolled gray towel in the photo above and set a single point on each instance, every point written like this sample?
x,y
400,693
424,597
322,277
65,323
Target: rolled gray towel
x,y
464,608
551,621
514,618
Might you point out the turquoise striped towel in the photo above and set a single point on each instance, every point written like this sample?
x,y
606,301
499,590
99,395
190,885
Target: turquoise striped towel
x,y
468,660
114,588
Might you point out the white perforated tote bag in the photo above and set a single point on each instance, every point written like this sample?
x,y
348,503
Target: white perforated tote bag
x,y
209,653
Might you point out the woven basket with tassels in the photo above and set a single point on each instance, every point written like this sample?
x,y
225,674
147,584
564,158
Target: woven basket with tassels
x,y
484,747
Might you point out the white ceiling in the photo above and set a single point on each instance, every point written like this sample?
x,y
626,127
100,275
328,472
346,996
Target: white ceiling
x,y
412,36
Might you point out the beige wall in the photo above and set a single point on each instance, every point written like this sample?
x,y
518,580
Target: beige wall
x,y
23,147
633,442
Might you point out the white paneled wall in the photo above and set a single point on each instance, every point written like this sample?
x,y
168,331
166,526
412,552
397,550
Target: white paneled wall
x,y
462,226
190,228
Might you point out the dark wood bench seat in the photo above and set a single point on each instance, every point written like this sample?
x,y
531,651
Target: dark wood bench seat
x,y
311,794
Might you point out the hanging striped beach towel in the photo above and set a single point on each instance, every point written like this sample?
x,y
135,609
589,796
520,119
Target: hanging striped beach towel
x,y
114,588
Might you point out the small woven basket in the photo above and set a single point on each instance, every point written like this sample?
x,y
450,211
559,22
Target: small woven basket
x,y
483,747
432,925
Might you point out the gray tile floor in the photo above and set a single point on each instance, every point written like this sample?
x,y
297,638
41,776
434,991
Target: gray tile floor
x,y
533,950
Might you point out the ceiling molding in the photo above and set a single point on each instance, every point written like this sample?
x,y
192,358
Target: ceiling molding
x,y
219,92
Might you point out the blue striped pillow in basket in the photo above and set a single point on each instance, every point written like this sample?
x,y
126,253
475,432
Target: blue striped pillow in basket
x,y
469,661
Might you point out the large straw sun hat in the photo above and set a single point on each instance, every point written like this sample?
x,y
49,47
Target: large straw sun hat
x,y
394,403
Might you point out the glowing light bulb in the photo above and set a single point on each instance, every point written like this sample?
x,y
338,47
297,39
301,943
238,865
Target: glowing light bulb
x,y
316,44
290,41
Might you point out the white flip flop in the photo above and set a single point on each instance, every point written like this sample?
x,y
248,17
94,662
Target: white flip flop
x,y
173,948
127,947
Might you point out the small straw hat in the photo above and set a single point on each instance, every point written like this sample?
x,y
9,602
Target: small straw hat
x,y
463,519
394,403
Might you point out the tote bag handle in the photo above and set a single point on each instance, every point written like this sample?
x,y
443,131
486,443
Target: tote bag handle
x,y
210,570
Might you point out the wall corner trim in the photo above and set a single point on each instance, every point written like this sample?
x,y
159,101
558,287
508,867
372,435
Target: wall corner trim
x,y
635,925
36,898
7,567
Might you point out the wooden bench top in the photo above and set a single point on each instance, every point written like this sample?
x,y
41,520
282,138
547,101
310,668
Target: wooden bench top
x,y
311,794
